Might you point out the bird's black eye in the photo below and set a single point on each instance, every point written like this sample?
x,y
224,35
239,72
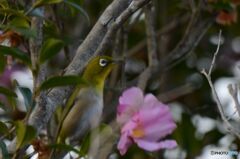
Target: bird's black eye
x,y
103,62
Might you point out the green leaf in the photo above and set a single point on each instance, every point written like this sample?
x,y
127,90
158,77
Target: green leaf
x,y
58,81
22,26
2,106
16,53
103,131
45,2
4,3
20,22
79,8
4,151
63,147
20,131
3,128
50,48
26,32
7,92
25,133
9,11
31,134
50,29
223,6
2,63
27,95
85,145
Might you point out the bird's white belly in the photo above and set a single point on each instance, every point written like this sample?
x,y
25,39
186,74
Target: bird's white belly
x,y
91,115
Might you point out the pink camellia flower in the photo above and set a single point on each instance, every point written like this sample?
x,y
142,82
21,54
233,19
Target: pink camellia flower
x,y
144,120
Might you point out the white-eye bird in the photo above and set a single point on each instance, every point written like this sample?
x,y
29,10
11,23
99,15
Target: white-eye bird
x,y
86,103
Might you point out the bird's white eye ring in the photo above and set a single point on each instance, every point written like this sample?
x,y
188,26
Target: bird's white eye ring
x,y
103,62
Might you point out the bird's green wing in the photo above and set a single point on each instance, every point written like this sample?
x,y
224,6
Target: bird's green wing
x,y
69,104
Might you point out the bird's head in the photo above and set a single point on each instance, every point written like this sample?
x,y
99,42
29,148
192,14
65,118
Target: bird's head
x,y
98,69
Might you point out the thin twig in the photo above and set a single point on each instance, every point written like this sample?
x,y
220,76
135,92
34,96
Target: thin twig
x,y
150,13
232,129
176,92
192,5
230,116
233,91
123,65
117,53
194,31
8,133
165,29
132,8
186,45
215,54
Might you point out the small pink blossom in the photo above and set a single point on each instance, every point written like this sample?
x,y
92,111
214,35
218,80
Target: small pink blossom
x,y
145,121
6,81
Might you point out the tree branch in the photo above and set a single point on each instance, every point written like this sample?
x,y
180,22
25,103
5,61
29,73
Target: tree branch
x,y
86,50
165,29
196,29
35,46
38,71
194,33
232,129
133,7
175,93
150,22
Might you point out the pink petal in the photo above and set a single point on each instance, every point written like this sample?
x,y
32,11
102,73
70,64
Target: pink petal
x,y
156,132
132,97
150,114
129,126
130,101
154,146
5,77
151,119
157,122
124,143
150,100
122,115
121,108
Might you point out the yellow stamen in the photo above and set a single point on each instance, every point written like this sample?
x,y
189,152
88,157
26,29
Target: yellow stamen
x,y
138,133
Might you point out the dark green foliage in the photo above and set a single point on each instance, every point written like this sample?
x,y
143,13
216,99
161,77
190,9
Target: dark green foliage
x,y
27,95
2,63
40,3
16,53
7,92
59,81
25,133
4,151
76,6
3,128
50,48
